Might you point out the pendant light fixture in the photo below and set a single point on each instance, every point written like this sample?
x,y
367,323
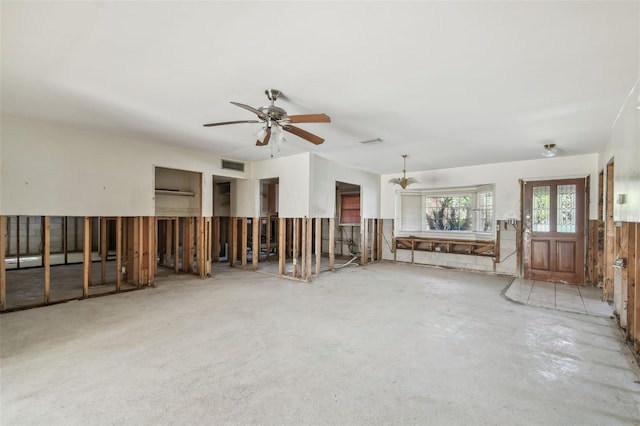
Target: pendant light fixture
x,y
403,181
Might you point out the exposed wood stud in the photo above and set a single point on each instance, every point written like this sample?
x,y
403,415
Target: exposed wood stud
x,y
255,239
141,252
103,250
243,242
631,280
296,240
233,241
372,239
267,238
46,257
153,249
303,248
282,254
332,243
208,246
176,245
364,234
318,247
308,246
189,230
3,272
86,257
216,239
168,236
65,243
634,268
379,237
118,253
200,244
609,235
133,258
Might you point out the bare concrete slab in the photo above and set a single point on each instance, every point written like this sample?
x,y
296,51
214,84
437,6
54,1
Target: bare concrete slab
x,y
376,344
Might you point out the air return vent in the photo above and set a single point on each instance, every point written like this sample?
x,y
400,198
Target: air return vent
x,y
232,165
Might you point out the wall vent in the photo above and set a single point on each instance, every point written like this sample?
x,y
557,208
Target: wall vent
x,y
232,165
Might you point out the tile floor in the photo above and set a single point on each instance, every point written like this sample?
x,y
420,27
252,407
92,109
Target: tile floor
x,y
562,297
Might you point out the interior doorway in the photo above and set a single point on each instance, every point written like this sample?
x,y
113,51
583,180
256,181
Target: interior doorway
x,y
554,224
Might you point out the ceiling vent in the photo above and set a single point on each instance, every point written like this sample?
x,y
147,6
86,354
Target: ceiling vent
x,y
232,165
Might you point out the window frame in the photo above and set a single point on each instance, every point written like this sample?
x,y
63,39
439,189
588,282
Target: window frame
x,y
476,193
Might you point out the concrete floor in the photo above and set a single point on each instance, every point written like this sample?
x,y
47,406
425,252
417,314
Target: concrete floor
x,y
375,344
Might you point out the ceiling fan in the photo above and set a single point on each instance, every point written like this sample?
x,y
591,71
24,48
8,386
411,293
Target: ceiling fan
x,y
276,118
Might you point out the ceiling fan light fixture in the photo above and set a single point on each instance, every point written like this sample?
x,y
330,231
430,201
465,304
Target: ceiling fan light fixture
x,y
549,150
260,134
404,181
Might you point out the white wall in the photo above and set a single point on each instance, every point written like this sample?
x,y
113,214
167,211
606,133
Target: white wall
x,y
49,169
293,189
624,149
505,177
325,173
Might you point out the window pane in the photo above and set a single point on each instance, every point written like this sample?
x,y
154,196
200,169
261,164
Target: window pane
x,y
410,212
449,213
566,208
484,212
541,208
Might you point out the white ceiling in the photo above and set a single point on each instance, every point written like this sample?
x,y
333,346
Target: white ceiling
x,y
449,83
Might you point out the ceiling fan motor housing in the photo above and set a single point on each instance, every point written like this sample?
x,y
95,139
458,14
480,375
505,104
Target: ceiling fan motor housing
x,y
273,112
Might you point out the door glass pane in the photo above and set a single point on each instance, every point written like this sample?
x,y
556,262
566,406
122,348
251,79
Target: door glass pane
x,y
566,208
541,208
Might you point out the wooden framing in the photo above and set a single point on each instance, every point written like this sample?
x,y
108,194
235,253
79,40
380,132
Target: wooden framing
x,y
215,225
633,266
610,233
332,248
303,248
206,246
176,245
255,240
86,257
103,250
233,241
379,239
243,242
282,254
46,256
307,250
118,253
592,253
296,240
187,244
318,245
267,239
474,248
3,270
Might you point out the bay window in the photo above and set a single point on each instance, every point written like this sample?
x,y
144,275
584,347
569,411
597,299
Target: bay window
x,y
457,213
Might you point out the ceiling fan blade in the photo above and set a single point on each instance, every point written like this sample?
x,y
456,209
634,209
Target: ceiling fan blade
x,y
252,109
307,118
222,123
266,139
317,140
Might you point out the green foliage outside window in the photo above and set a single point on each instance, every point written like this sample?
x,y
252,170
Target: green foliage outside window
x,y
449,213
